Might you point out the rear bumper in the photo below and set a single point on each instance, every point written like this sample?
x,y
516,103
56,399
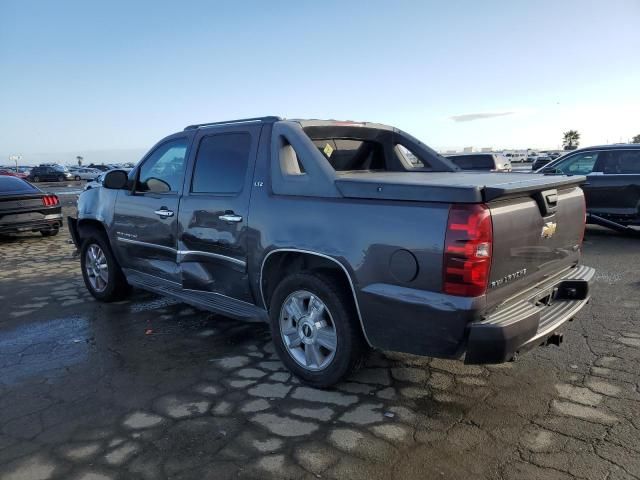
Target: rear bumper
x,y
529,321
49,221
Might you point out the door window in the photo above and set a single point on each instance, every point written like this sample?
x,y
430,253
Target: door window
x,y
221,163
579,164
163,170
623,162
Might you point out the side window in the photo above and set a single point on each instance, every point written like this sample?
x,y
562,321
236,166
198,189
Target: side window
x,y
163,171
408,158
623,162
221,163
580,164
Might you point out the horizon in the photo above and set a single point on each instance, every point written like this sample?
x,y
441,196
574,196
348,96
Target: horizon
x,y
489,75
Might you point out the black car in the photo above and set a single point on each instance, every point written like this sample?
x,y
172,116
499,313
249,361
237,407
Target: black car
x,y
540,162
612,189
26,208
49,173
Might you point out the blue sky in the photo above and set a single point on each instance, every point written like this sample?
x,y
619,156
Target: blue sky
x,y
111,78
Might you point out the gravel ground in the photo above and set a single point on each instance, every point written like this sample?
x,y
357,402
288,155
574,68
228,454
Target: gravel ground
x,y
149,388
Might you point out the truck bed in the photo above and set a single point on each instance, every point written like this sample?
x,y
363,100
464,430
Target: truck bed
x,y
448,187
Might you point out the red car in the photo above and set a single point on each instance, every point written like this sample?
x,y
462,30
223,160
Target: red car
x,y
13,173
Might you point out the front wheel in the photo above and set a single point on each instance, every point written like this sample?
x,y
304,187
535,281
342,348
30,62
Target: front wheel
x,y
100,270
315,329
61,178
77,178
36,179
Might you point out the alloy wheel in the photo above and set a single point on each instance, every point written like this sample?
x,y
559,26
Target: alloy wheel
x,y
96,268
308,331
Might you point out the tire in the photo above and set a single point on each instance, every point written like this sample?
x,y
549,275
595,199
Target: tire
x,y
49,233
106,288
77,178
340,325
36,179
61,178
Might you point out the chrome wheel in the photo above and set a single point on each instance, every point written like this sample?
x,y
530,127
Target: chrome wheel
x,y
307,330
96,268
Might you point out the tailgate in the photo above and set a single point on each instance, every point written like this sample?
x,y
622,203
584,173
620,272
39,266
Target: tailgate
x,y
534,236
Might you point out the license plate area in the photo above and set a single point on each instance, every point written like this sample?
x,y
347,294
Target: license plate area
x,y
565,290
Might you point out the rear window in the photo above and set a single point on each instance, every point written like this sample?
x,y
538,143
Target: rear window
x,y
346,154
221,163
473,162
623,162
363,148
12,185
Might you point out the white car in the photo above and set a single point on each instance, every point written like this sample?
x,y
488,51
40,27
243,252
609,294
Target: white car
x,y
96,182
85,173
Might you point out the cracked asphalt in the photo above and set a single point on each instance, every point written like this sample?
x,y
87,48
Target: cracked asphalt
x,y
153,389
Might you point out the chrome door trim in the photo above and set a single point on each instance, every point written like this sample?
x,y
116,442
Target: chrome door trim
x,y
353,290
184,253
145,244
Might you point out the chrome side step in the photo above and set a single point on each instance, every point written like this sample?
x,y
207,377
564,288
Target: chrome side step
x,y
210,301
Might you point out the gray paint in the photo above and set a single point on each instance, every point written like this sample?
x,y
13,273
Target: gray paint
x,y
388,242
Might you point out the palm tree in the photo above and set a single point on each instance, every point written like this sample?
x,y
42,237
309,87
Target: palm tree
x,y
571,139
636,139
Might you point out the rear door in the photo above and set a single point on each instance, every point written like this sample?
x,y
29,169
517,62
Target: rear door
x,y
212,245
145,218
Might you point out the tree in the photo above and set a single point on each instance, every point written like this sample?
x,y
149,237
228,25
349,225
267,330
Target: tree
x,y
571,140
79,158
636,139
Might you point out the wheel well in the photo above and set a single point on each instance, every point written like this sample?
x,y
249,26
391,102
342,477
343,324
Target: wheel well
x,y
281,264
86,227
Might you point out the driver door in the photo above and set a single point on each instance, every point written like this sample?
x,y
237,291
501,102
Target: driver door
x,y
581,163
145,218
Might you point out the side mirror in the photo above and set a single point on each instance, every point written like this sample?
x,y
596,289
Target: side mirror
x,y
116,180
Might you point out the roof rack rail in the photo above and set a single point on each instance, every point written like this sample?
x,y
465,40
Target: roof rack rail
x,y
229,122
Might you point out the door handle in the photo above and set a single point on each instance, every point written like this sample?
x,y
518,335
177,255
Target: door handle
x,y
230,217
164,213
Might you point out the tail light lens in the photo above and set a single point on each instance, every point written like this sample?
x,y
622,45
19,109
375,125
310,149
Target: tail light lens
x,y
50,200
467,250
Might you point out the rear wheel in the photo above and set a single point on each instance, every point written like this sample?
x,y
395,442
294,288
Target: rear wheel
x,y
36,179
315,329
100,270
77,177
61,178
49,233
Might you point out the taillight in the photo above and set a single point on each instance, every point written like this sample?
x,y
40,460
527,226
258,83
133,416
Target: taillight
x,y
50,200
467,250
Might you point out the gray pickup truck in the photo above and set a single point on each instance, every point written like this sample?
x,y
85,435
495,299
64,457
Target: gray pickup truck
x,y
342,236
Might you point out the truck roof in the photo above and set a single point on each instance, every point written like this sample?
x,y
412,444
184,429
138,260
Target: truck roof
x,y
309,122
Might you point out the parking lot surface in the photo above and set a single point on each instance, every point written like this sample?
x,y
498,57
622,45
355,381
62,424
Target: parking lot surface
x,y
152,389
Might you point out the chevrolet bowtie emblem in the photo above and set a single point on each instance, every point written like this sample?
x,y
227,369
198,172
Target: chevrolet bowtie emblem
x,y
548,229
